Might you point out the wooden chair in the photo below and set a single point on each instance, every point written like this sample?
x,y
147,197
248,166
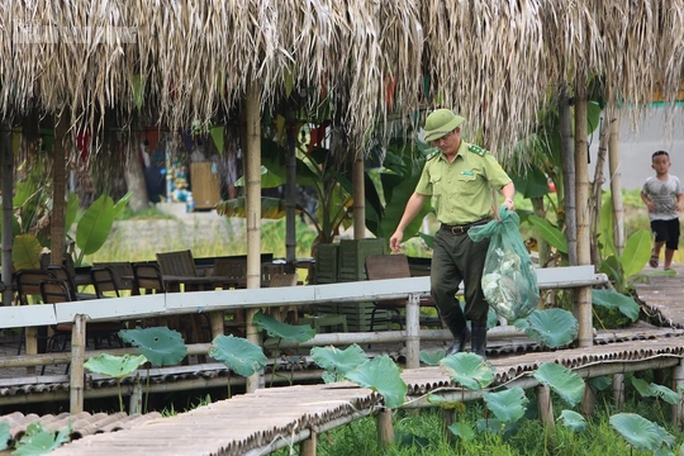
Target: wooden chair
x,y
28,292
104,282
287,314
269,270
380,267
63,273
180,263
120,269
233,268
147,277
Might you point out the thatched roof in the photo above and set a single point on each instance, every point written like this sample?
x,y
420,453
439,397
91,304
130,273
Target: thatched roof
x,y
496,61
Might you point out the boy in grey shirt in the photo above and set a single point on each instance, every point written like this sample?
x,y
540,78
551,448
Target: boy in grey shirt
x,y
663,195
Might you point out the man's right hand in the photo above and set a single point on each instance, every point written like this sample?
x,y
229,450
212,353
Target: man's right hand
x,y
395,241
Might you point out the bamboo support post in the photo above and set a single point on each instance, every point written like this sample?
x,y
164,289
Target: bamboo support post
x,y
252,164
308,446
677,382
545,406
449,417
31,345
619,390
136,399
216,320
385,428
582,194
76,380
412,332
588,400
359,205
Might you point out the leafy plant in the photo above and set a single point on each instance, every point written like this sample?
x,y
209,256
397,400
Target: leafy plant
x,y
381,374
641,433
338,362
507,405
551,327
160,345
275,328
566,383
611,299
655,390
38,441
431,358
469,370
239,355
116,367
5,436
573,420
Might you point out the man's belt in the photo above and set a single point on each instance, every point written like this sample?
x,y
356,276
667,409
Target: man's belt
x,y
462,229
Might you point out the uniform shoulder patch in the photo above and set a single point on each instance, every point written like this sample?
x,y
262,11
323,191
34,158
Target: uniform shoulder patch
x,y
474,148
432,154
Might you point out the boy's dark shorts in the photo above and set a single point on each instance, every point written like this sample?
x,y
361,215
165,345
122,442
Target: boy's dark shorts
x,y
666,231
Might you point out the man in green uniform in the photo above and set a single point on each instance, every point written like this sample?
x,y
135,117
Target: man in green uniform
x,y
460,180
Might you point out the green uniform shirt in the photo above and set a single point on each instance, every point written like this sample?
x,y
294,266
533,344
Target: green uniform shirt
x,y
461,190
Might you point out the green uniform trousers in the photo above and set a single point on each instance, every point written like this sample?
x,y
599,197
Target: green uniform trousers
x,y
457,258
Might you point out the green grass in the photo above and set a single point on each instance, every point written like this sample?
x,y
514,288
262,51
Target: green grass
x,y
424,433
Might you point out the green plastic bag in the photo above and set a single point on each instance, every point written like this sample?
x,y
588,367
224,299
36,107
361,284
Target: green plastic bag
x,y
509,279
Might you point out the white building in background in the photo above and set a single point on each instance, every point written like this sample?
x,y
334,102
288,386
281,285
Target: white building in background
x,y
636,146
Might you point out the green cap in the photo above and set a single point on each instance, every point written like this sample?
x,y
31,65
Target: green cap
x,y
440,123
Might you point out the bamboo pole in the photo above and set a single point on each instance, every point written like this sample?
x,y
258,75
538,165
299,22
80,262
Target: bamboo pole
x,y
616,181
412,332
358,184
291,200
566,192
31,345
136,399
76,379
677,383
60,149
308,446
588,401
582,295
619,391
253,210
596,188
7,188
545,406
385,428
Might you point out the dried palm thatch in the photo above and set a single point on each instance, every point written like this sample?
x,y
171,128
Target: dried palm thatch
x,y
496,61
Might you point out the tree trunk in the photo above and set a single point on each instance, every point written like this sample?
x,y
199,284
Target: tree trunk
x,y
597,185
134,175
567,190
7,186
616,181
61,148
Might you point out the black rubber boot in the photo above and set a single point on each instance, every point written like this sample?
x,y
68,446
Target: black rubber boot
x,y
479,338
459,329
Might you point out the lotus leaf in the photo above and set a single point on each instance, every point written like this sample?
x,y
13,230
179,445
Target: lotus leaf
x,y
38,441
338,362
568,385
275,328
611,299
552,327
5,436
431,358
641,386
240,355
115,366
160,345
639,432
463,431
573,420
665,393
507,405
469,370
601,383
381,374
